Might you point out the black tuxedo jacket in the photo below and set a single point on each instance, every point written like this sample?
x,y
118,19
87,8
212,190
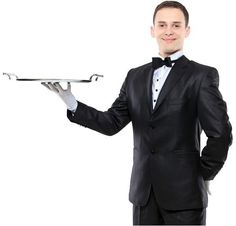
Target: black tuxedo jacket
x,y
166,149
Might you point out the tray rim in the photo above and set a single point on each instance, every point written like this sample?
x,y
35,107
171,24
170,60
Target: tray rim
x,y
52,80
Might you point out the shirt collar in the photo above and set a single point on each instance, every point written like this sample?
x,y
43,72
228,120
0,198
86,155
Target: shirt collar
x,y
175,56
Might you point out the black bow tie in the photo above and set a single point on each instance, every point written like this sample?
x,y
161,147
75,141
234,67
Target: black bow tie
x,y
158,62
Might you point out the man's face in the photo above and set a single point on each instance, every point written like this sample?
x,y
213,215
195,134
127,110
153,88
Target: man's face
x,y
169,30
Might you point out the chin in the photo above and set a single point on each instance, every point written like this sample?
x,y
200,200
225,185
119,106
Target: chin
x,y
170,51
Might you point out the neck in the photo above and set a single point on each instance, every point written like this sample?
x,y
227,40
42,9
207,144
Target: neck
x,y
168,54
173,56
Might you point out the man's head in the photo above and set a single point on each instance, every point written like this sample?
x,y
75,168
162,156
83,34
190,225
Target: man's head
x,y
170,27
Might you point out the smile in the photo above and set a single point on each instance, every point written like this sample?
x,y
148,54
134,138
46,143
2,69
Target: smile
x,y
168,40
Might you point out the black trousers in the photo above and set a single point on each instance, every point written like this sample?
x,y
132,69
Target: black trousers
x,y
152,214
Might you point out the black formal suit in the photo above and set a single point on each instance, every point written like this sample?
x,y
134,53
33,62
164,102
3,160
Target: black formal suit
x,y
167,139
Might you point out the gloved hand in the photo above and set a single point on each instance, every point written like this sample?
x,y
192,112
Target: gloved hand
x,y
65,94
207,184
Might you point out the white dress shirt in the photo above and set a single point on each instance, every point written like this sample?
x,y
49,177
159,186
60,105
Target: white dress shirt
x,y
160,75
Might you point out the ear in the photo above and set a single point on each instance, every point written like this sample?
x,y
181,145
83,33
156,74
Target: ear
x,y
187,31
152,31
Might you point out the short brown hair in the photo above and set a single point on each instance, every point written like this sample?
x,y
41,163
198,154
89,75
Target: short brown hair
x,y
172,4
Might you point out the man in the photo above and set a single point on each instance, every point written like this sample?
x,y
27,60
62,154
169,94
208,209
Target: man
x,y
168,102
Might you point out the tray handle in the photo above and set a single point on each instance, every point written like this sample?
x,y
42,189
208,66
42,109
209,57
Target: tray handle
x,y
95,75
10,75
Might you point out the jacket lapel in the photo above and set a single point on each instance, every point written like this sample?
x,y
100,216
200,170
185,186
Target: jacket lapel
x,y
149,88
175,74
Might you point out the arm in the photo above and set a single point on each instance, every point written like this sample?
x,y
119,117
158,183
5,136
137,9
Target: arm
x,y
214,121
109,122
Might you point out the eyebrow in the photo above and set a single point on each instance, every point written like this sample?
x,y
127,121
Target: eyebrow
x,y
175,22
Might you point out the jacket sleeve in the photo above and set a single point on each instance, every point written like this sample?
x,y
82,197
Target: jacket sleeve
x,y
108,122
212,112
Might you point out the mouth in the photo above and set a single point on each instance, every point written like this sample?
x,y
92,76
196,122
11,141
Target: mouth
x,y
168,40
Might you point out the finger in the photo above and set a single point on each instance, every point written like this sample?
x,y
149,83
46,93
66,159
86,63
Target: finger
x,y
207,184
58,87
208,191
52,87
68,86
46,85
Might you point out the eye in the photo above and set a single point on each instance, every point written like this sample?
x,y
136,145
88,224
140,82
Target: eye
x,y
161,25
177,25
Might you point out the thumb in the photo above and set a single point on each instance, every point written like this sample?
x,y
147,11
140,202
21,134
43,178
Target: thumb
x,y
68,86
207,183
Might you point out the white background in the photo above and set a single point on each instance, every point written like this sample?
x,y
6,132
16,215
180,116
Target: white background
x,y
53,172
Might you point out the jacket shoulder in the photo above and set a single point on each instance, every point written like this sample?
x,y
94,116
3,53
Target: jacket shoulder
x,y
201,67
205,74
141,68
137,73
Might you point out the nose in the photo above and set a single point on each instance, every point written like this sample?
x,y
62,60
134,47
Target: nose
x,y
169,31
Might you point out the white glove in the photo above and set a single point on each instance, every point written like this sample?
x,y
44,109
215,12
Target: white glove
x,y
65,94
207,184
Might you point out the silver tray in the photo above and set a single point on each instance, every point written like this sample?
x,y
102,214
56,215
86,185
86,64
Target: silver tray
x,y
52,80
